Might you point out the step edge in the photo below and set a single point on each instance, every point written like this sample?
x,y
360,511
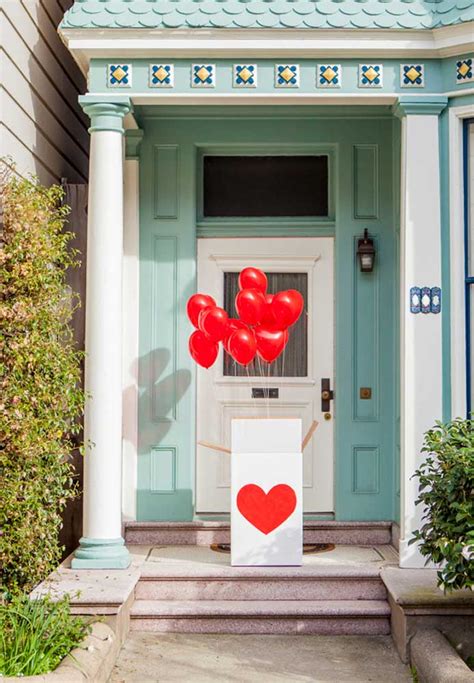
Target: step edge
x,y
203,525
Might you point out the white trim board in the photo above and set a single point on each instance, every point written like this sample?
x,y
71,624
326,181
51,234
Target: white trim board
x,y
86,44
456,230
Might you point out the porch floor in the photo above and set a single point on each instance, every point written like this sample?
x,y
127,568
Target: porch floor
x,y
194,561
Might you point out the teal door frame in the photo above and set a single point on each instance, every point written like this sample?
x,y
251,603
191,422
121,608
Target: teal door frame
x,y
362,144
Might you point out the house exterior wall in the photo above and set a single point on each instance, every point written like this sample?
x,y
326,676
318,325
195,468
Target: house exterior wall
x,y
360,143
43,129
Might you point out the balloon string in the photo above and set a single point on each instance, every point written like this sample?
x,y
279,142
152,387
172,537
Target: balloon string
x,y
268,389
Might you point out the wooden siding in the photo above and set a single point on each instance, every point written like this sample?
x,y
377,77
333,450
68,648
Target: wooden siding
x,y
42,128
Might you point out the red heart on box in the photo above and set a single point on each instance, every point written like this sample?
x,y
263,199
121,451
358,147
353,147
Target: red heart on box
x,y
266,511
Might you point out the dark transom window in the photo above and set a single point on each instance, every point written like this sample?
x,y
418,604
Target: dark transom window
x,y
265,186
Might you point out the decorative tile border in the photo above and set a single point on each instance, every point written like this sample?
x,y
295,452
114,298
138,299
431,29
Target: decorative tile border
x,y
119,75
435,300
425,300
464,70
412,75
326,75
244,76
370,76
161,76
287,76
329,76
415,300
203,76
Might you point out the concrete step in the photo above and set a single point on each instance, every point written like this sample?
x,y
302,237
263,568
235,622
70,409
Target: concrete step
x,y
341,617
205,533
339,582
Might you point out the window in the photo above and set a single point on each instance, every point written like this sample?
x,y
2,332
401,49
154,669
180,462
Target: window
x,y
265,186
469,258
293,362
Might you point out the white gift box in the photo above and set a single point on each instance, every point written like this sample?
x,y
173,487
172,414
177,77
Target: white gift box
x,y
267,492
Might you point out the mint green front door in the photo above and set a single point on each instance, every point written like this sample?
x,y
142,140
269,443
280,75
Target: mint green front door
x,y
359,144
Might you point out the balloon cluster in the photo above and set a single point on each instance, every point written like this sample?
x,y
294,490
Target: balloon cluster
x,y
260,330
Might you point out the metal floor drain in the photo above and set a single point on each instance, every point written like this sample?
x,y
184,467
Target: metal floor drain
x,y
308,548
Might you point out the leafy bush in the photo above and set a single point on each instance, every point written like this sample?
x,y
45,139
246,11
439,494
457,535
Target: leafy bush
x,y
35,635
447,492
41,399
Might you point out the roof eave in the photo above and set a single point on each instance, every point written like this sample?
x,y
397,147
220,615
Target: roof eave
x,y
89,43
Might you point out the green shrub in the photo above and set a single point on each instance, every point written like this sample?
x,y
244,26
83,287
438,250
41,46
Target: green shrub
x,y
446,484
35,635
40,395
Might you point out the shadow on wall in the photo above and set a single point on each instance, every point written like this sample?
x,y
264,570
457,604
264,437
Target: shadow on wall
x,y
160,391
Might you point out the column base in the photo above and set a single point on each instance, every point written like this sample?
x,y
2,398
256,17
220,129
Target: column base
x,y
101,553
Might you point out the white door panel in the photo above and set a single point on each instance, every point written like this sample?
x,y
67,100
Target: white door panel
x,y
221,397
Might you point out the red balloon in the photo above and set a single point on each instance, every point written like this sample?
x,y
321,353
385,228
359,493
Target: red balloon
x,y
253,278
250,306
213,322
270,342
202,349
196,304
242,346
268,318
286,308
233,324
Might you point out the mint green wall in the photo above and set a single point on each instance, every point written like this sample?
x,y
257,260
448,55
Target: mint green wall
x,y
361,143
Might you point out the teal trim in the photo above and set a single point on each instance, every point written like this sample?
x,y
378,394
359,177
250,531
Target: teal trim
x,y
105,116
133,141
287,113
461,101
101,553
272,14
266,228
421,106
366,304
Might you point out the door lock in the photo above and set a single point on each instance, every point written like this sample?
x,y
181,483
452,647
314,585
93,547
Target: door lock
x,y
327,395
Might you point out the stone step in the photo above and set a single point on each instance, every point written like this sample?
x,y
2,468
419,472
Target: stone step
x,y
339,617
205,533
200,582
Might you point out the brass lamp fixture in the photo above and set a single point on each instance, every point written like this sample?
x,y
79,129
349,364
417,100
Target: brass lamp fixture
x,y
366,253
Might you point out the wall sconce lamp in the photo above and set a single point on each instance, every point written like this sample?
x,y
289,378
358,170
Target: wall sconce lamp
x,y
366,253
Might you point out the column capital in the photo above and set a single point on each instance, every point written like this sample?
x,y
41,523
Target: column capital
x,y
106,114
133,140
420,106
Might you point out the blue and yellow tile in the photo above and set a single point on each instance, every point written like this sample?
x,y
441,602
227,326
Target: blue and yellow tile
x,y
329,76
464,70
203,76
412,75
244,76
119,75
161,76
370,76
287,76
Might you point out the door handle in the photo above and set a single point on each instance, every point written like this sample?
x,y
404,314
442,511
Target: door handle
x,y
327,395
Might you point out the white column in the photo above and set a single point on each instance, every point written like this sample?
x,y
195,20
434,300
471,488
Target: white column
x,y
421,333
102,544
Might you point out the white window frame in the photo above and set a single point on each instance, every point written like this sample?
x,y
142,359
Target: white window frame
x,y
457,251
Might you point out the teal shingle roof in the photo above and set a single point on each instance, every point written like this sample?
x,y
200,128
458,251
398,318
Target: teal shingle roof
x,y
301,14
